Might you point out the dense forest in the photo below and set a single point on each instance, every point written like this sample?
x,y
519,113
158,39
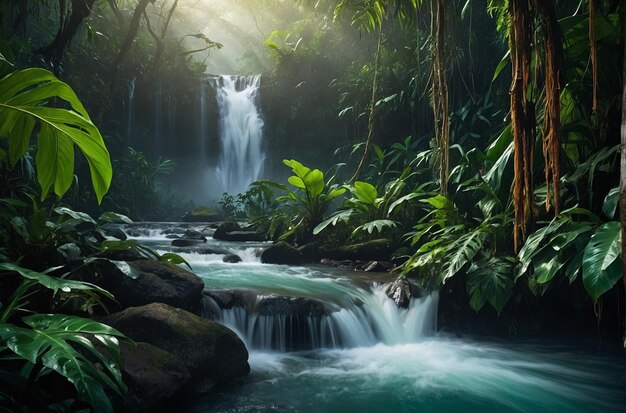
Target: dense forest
x,y
214,206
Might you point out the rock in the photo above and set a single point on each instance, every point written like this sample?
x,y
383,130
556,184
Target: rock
x,y
152,375
378,249
157,282
282,253
228,299
172,236
311,252
338,263
224,228
401,291
243,236
377,266
192,234
201,214
212,353
290,306
182,243
129,254
232,258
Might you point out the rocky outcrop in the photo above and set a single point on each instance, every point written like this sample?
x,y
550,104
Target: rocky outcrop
x,y
152,375
224,229
156,281
299,307
229,298
210,352
401,291
282,253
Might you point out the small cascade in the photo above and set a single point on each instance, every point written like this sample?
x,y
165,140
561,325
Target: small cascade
x,y
240,130
130,111
283,323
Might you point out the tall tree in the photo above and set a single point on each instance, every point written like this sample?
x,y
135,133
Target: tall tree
x,y
622,191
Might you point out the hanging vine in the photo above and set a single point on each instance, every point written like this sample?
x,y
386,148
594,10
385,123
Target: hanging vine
x,y
553,45
593,53
522,117
440,94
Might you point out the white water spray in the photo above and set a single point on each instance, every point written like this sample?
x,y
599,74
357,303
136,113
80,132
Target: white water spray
x,y
241,132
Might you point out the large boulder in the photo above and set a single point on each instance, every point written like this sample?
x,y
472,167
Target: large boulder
x,y
222,231
152,375
299,307
229,298
282,253
378,249
201,214
244,236
401,291
211,352
157,281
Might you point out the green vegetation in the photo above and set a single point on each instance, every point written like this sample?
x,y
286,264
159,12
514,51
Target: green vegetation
x,y
479,139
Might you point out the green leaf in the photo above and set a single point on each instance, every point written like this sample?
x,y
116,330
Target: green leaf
x,y
22,96
340,216
115,218
296,181
335,193
54,339
80,216
126,268
376,225
52,283
610,202
463,251
365,192
314,182
503,63
174,259
490,281
601,266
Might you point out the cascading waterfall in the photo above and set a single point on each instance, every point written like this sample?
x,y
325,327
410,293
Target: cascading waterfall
x,y
374,319
240,130
202,119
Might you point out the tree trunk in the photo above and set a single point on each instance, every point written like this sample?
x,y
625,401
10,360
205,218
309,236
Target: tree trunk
x,y
372,114
622,186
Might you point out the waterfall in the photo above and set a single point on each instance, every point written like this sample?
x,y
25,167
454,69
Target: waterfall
x,y
240,130
130,111
202,119
375,319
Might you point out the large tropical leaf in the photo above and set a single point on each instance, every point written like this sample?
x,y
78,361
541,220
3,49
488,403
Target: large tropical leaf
x,y
23,96
490,281
53,339
601,264
52,283
462,251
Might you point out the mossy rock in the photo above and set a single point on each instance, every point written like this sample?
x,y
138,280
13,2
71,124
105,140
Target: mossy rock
x,y
211,352
201,214
152,375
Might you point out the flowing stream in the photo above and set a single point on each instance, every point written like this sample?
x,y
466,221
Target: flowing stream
x,y
360,353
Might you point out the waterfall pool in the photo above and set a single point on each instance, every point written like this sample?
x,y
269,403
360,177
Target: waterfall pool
x,y
369,356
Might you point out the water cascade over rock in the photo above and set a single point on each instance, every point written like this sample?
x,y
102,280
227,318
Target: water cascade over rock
x,y
240,131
